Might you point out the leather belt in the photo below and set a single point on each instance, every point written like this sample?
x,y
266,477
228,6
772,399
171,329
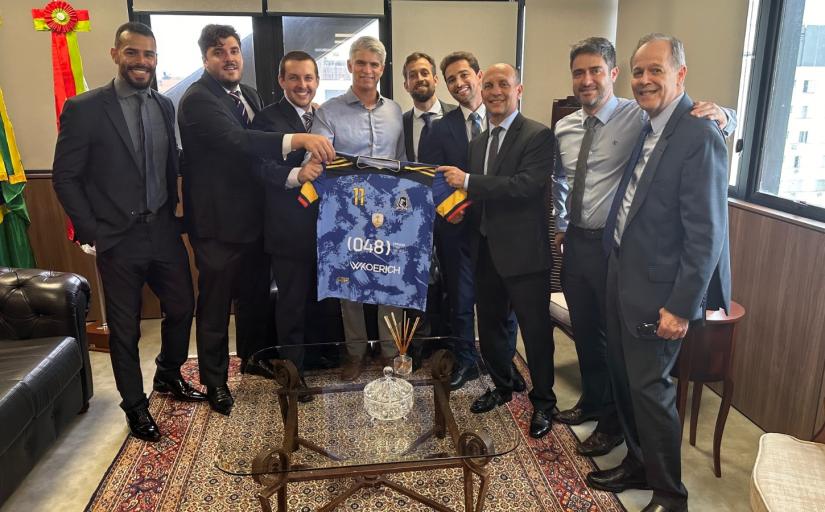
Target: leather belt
x,y
586,233
145,217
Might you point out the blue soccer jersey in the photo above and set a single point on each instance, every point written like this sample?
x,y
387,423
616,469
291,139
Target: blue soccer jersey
x,y
375,228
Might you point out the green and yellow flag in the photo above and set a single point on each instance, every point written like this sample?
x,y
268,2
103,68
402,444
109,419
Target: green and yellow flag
x,y
15,250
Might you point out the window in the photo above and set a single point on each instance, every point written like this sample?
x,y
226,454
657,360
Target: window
x,y
179,58
328,40
784,57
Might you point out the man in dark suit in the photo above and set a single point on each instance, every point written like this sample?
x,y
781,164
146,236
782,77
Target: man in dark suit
x,y
289,228
447,145
223,205
666,235
420,80
115,173
510,166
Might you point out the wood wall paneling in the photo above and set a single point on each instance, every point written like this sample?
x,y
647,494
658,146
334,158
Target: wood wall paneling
x,y
779,364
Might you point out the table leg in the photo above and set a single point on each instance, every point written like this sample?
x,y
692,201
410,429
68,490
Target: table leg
x,y
694,410
727,396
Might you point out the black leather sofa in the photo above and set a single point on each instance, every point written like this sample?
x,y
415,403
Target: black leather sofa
x,y
45,376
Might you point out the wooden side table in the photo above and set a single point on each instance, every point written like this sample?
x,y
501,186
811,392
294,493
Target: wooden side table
x,y
707,356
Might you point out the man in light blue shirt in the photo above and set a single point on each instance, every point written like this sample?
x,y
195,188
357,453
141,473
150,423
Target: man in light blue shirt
x,y
362,122
593,145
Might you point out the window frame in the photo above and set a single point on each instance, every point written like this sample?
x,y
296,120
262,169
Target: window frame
x,y
268,35
754,135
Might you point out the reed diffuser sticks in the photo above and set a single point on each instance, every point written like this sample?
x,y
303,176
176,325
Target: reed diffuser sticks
x,y
401,333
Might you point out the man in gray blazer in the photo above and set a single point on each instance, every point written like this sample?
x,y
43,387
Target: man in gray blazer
x,y
666,236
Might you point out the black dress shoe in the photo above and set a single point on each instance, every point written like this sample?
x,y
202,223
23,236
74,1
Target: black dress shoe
x,y
656,507
220,399
179,388
599,443
252,367
541,423
142,425
463,375
576,416
519,386
617,479
489,401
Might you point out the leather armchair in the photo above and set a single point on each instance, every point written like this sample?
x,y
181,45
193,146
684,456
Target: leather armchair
x,y
45,375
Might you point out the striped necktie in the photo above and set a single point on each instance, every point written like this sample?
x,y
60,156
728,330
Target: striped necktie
x,y
239,106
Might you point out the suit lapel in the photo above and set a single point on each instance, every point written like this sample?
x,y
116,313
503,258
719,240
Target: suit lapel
x,y
509,137
252,98
111,106
652,165
459,130
221,95
291,116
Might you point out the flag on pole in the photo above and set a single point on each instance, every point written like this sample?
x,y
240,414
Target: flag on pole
x,y
64,21
15,250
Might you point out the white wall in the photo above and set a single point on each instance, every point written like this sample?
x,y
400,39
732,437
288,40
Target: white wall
x,y
552,26
713,32
26,74
487,29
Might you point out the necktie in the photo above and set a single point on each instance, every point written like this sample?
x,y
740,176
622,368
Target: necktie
x,y
307,118
149,173
492,153
475,127
236,96
608,240
427,117
581,171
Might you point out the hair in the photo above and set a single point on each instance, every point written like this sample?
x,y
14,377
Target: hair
x,y
135,28
677,49
295,56
371,44
594,46
414,57
457,56
211,36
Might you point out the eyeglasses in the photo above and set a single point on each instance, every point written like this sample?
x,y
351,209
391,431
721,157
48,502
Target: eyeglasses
x,y
647,331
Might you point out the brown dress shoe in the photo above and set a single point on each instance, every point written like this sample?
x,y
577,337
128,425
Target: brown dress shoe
x,y
599,443
352,368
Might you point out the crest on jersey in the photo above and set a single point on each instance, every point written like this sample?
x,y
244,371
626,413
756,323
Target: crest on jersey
x,y
378,219
402,202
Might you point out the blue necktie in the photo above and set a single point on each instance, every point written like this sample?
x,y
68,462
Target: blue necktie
x,y
608,241
475,128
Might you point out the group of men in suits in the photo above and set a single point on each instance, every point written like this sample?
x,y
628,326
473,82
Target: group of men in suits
x,y
115,173
641,203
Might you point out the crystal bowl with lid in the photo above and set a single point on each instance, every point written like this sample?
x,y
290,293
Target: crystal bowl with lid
x,y
388,398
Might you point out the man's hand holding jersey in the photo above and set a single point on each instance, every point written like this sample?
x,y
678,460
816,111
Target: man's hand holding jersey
x,y
310,171
455,178
320,146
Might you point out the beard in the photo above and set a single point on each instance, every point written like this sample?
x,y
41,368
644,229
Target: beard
x,y
422,96
138,85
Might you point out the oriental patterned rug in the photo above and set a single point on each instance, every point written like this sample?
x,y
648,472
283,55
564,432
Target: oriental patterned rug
x,y
178,473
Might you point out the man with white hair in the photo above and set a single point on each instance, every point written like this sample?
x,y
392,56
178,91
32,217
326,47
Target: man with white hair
x,y
666,236
362,122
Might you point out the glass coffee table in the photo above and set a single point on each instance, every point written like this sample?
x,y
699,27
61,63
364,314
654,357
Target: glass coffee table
x,y
281,432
